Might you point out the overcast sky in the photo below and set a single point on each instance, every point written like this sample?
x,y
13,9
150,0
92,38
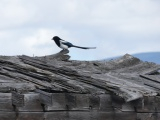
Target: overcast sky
x,y
115,27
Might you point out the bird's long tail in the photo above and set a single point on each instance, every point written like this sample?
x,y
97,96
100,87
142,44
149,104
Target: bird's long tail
x,y
84,47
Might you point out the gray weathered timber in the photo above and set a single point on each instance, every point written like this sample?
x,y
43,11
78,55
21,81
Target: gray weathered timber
x,y
74,101
112,83
6,102
31,103
30,116
69,115
90,115
45,97
53,87
58,102
17,99
148,104
5,115
148,116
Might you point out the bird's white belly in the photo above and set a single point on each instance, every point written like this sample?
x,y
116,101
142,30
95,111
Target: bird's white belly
x,y
63,46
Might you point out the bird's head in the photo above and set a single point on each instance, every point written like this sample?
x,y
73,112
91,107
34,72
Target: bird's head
x,y
55,38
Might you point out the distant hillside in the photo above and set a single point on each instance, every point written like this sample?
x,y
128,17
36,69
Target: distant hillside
x,y
149,56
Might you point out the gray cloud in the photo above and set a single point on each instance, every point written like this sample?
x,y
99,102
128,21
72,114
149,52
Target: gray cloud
x,y
114,27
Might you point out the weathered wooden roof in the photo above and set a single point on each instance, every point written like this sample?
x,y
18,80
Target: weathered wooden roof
x,y
126,77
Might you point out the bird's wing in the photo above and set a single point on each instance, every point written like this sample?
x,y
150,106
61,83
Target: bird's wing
x,y
67,43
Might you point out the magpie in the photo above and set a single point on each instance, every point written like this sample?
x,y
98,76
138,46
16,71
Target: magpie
x,y
65,45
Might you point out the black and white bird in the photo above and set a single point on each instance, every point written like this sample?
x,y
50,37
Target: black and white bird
x,y
65,45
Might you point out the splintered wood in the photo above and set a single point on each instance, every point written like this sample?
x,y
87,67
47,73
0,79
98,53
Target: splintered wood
x,y
55,88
